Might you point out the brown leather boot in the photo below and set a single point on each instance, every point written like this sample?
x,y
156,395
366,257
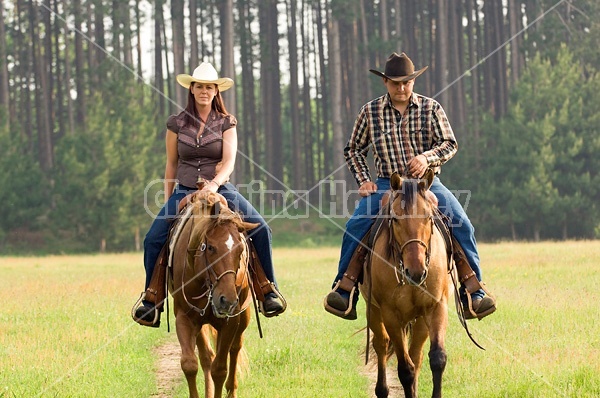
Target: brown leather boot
x,y
472,308
341,300
270,301
153,298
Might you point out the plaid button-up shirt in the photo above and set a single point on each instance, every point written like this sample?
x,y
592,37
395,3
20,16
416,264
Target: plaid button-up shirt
x,y
396,139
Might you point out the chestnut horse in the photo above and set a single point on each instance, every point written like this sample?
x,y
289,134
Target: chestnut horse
x,y
407,287
210,289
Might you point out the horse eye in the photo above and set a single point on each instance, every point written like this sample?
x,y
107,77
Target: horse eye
x,y
211,248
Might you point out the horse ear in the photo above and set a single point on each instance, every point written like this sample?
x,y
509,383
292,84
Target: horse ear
x,y
396,181
427,179
246,226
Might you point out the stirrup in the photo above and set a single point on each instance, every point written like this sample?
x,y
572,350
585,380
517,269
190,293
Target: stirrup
x,y
342,314
471,312
155,321
280,297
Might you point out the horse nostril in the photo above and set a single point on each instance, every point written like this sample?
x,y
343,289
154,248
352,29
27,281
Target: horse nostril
x,y
223,303
416,279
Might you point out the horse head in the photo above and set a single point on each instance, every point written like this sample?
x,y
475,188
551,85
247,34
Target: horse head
x,y
411,225
217,252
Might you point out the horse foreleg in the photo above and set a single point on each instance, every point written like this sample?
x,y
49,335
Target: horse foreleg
x,y
418,338
406,368
381,342
186,333
437,351
207,355
219,366
231,385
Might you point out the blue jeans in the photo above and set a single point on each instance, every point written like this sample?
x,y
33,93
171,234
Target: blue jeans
x,y
159,230
368,207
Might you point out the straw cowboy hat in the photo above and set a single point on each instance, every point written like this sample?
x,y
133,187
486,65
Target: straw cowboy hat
x,y
205,73
399,68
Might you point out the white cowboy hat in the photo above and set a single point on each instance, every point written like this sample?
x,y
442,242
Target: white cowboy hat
x,y
205,73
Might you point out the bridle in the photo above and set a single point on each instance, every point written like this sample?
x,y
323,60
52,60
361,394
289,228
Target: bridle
x,y
211,282
398,249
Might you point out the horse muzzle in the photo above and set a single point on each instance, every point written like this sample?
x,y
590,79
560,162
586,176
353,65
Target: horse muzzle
x,y
223,307
415,278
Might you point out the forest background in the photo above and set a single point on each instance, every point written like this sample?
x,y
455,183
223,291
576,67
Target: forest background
x,y
86,87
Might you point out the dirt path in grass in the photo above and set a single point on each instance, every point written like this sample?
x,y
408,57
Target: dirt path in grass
x,y
168,369
169,375
392,380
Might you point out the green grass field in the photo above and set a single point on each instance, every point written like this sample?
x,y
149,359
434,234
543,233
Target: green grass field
x,y
65,329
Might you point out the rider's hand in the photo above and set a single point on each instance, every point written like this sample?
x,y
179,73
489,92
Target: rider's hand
x,y
418,166
211,186
367,188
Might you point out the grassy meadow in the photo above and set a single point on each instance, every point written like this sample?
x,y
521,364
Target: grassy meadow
x,y
65,329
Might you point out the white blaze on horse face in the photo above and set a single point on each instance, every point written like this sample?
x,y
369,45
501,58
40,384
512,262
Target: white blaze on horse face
x,y
229,242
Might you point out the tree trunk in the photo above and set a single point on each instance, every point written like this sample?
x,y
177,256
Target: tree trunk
x,y
248,128
138,47
384,33
514,18
365,86
80,104
100,70
296,171
441,62
4,94
323,104
308,132
177,30
227,64
271,95
455,56
159,83
126,29
116,30
475,107
335,74
45,150
488,67
23,57
194,62
59,77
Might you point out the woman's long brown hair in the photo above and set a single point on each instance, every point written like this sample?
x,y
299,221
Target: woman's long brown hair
x,y
191,113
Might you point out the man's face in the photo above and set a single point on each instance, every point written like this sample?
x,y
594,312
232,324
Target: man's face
x,y
400,92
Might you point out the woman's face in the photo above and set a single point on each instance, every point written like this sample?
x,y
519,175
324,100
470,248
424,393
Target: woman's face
x,y
204,93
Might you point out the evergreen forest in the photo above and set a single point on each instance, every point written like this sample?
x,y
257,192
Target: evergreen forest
x,y
86,87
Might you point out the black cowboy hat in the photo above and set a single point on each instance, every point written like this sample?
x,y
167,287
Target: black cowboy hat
x,y
399,68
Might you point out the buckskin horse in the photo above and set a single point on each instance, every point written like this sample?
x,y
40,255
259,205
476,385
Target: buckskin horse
x,y
407,287
210,289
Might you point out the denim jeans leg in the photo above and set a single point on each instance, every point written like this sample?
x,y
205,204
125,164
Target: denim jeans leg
x,y
359,224
462,229
261,236
159,230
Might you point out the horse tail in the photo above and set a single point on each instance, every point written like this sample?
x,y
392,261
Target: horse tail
x,y
243,365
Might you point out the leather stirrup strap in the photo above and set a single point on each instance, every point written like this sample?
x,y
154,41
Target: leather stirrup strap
x,y
156,291
466,276
354,271
262,285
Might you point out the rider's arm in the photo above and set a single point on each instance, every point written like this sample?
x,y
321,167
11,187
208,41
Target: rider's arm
x,y
171,166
